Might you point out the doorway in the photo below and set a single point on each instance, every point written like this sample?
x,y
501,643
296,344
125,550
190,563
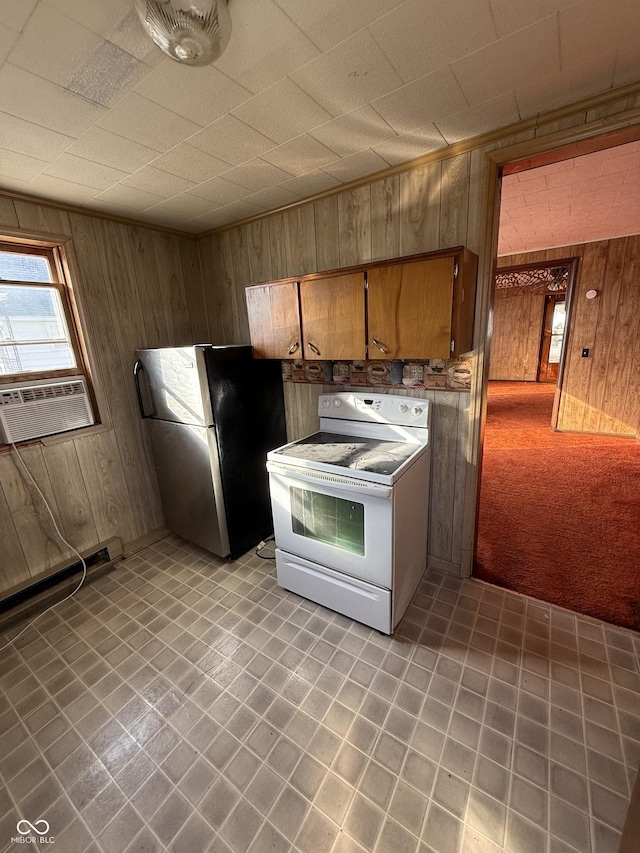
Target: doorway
x,y
557,508
531,303
553,330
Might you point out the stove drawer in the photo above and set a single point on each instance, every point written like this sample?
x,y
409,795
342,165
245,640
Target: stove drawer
x,y
357,599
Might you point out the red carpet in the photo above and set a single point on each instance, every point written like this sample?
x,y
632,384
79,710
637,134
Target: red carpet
x,y
559,512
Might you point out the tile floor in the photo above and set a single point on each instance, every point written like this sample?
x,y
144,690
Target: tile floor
x,y
186,704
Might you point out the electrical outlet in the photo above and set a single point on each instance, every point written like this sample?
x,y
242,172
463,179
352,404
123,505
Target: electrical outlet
x,y
585,352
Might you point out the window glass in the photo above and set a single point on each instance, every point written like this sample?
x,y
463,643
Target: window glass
x,y
33,331
328,519
17,267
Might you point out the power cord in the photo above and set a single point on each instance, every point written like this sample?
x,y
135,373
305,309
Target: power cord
x,y
62,539
260,547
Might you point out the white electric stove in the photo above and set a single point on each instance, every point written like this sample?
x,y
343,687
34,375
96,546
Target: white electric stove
x,y
350,506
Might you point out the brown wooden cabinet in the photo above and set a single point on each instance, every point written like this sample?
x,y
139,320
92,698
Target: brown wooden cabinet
x,y
274,320
418,307
333,318
410,309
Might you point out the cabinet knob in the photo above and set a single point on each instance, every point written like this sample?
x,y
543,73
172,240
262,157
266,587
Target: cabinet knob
x,y
294,346
380,346
314,349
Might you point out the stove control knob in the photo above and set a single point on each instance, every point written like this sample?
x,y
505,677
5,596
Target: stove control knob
x,y
402,408
417,410
337,403
326,404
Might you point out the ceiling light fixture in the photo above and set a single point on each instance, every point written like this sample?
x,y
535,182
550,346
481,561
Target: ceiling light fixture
x,y
194,32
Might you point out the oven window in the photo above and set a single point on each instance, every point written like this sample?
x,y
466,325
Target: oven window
x,y
328,519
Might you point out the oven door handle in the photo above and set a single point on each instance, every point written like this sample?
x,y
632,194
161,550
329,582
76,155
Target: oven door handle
x,y
319,478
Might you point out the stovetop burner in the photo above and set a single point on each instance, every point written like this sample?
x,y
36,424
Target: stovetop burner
x,y
353,452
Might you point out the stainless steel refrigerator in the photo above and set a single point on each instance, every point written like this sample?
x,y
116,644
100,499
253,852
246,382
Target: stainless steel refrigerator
x,y
212,413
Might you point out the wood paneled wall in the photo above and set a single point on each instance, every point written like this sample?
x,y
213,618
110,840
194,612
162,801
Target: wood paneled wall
x,y
135,287
418,211
438,205
515,342
601,393
140,287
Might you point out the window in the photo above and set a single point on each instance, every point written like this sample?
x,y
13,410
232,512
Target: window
x,y
40,337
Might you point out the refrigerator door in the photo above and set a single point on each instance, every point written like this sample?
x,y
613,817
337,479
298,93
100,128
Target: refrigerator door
x,y
187,465
248,409
172,384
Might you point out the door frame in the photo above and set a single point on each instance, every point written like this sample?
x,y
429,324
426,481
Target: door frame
x,y
594,135
573,262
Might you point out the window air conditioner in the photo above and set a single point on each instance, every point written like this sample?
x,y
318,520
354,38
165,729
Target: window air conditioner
x,y
43,408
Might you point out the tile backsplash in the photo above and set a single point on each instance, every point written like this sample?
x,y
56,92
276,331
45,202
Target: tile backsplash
x,y
434,374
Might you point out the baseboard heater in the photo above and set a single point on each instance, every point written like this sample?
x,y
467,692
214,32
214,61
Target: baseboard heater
x,y
45,588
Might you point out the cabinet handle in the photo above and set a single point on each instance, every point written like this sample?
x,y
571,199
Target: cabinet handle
x,y
314,349
294,346
380,346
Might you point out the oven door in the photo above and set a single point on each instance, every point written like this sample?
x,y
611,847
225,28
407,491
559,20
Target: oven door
x,y
338,522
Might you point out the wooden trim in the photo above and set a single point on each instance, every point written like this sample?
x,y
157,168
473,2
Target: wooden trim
x,y
144,541
62,282
488,253
477,142
358,268
440,565
600,131
74,283
574,149
593,135
465,146
94,214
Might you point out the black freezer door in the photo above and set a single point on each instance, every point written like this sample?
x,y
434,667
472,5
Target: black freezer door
x,y
247,403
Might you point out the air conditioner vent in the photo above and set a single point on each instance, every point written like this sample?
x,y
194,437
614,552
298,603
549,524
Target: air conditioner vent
x,y
48,392
45,408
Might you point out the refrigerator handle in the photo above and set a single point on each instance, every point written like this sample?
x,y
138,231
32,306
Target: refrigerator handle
x,y
138,368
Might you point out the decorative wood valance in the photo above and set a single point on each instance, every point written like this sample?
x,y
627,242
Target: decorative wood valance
x,y
533,280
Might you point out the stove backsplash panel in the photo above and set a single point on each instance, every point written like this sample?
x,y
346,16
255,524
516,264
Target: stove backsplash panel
x,y
433,374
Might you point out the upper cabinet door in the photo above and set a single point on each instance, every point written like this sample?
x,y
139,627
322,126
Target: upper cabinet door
x,y
274,320
410,309
333,322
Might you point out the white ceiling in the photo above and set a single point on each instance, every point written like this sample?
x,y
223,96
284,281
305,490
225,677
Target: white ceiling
x,y
309,94
592,197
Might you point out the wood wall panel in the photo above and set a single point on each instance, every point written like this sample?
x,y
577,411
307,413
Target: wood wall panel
x,y
134,287
74,510
299,240
354,226
8,215
454,201
399,215
342,228
515,344
260,250
327,242
35,217
154,315
385,218
420,209
40,544
242,275
277,247
600,393
13,564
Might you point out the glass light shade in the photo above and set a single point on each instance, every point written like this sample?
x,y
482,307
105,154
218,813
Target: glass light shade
x,y
194,32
